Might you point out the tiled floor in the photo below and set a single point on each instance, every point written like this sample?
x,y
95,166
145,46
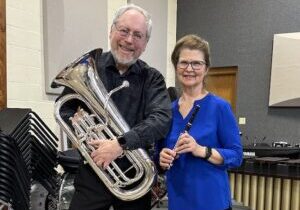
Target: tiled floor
x,y
235,206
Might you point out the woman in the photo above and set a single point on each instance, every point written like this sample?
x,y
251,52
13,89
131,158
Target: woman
x,y
201,145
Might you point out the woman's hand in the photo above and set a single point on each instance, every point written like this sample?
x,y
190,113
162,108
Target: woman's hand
x,y
166,158
186,143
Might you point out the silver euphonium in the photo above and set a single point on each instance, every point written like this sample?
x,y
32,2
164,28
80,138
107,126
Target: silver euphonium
x,y
101,121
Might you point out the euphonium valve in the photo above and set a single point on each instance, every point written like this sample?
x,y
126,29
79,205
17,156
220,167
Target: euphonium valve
x,y
100,119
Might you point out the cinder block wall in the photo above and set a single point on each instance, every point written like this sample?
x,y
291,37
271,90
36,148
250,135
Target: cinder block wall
x,y
25,72
25,68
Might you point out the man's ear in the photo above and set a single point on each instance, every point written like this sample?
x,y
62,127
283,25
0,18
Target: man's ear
x,y
110,32
145,47
109,35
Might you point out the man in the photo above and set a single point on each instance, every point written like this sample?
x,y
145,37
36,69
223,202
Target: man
x,y
144,105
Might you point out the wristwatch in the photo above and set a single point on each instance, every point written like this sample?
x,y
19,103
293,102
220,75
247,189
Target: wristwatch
x,y
122,141
207,153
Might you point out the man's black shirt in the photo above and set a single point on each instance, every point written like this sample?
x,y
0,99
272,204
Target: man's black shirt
x,y
145,104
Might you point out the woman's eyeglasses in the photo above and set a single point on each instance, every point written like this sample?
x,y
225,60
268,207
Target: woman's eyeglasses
x,y
196,65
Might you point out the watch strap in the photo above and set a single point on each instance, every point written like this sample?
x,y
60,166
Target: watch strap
x,y
122,141
208,153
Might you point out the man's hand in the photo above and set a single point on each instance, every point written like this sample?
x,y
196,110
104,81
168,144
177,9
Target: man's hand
x,y
105,151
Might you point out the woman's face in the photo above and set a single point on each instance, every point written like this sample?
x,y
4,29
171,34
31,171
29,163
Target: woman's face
x,y
191,68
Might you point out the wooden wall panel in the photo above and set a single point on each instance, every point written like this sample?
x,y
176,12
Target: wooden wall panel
x,y
3,96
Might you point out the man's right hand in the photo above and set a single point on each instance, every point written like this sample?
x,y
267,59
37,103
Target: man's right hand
x,y
106,151
166,158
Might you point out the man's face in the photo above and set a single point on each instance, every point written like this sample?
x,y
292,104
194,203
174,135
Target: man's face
x,y
128,37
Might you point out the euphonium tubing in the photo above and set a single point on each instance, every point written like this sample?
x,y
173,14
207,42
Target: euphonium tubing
x,y
83,79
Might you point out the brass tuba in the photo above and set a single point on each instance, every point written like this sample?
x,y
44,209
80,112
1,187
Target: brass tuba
x,y
102,120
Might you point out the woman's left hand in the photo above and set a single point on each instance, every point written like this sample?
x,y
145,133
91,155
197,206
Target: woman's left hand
x,y
186,143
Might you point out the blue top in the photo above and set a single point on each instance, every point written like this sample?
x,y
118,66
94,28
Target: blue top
x,y
194,183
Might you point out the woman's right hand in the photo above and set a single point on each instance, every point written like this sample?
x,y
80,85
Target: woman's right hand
x,y
166,158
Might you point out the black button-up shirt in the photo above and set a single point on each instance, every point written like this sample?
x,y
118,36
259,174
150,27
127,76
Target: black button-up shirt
x,y
145,104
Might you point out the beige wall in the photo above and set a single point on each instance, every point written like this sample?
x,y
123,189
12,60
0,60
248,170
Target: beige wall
x,y
25,68
25,72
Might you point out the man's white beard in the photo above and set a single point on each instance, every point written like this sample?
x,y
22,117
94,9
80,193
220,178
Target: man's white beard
x,y
121,61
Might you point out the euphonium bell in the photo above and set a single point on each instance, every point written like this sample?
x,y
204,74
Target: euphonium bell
x,y
101,120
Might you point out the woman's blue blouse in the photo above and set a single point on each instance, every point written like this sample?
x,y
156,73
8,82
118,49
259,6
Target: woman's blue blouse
x,y
194,183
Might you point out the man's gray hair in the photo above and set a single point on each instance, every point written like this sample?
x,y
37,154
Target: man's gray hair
x,y
127,7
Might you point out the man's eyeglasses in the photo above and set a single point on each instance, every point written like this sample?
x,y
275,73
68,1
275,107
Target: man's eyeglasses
x,y
196,65
125,32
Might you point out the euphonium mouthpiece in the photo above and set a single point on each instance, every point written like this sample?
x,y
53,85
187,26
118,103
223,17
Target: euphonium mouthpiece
x,y
125,83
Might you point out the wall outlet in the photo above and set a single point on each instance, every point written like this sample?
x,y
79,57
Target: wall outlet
x,y
242,120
